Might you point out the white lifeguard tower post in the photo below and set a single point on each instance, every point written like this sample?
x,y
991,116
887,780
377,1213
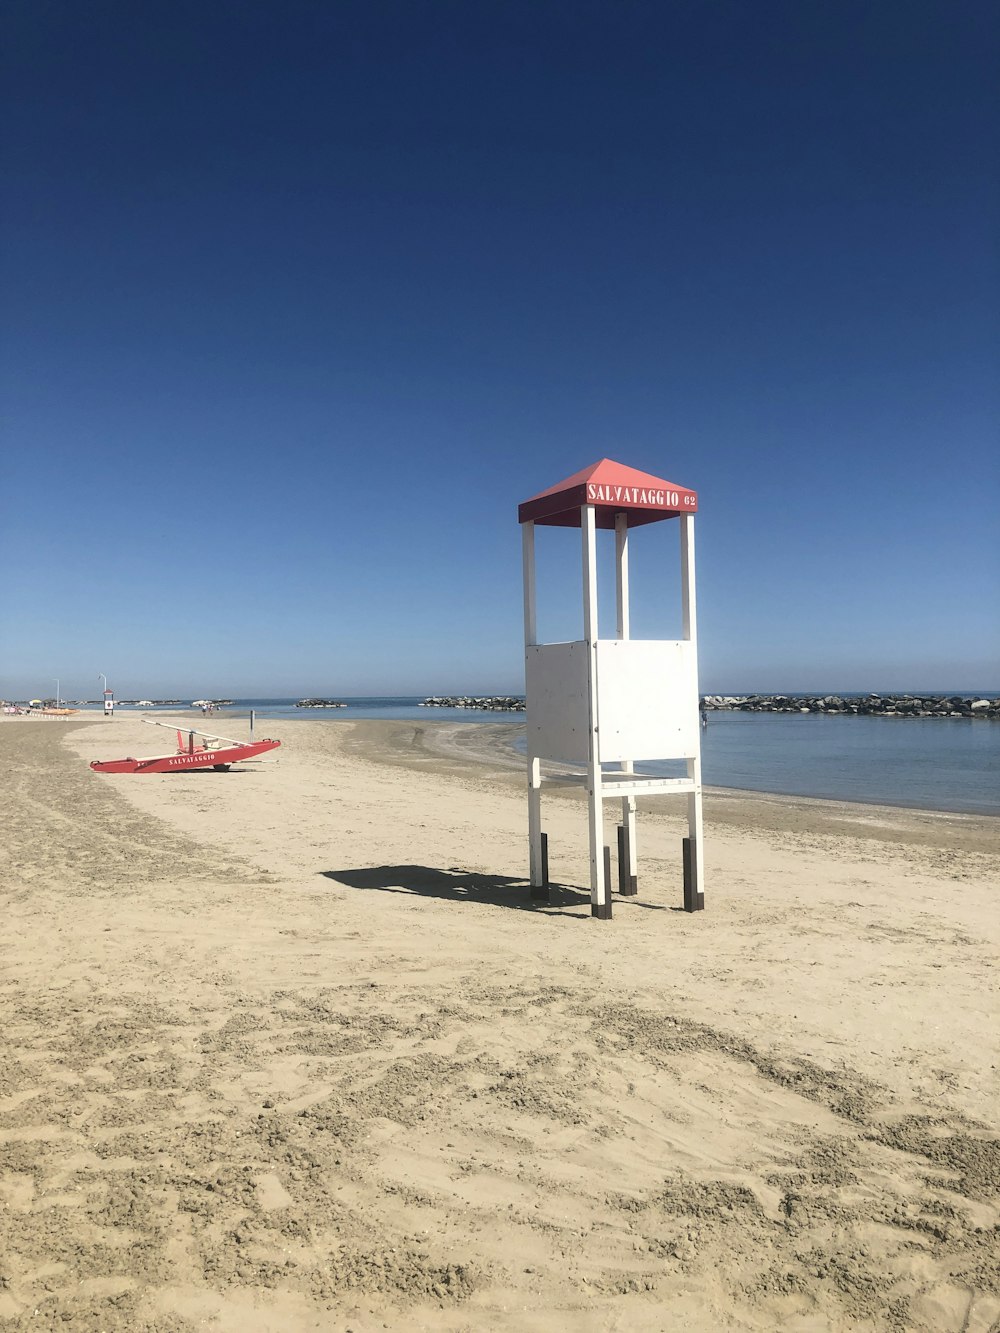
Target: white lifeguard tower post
x,y
607,704
109,697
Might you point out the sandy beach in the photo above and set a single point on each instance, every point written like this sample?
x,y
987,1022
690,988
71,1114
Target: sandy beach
x,y
289,1048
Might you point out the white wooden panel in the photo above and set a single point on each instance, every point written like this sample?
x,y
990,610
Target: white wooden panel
x,y
647,699
557,704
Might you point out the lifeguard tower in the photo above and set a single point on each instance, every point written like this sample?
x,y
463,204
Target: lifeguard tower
x,y
603,705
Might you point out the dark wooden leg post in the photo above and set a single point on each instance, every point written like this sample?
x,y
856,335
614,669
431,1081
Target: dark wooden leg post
x,y
693,900
540,892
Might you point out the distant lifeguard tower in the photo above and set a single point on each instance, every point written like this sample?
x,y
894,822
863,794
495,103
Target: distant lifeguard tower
x,y
607,704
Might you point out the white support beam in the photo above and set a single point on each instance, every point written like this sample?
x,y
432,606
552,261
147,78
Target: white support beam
x,y
535,822
624,630
621,573
696,822
633,787
588,529
598,886
613,786
528,576
535,872
689,608
690,619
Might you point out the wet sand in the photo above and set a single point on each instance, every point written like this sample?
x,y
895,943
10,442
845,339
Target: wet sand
x,y
288,1048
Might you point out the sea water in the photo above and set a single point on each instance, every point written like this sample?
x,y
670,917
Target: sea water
x,y
923,763
929,763
932,763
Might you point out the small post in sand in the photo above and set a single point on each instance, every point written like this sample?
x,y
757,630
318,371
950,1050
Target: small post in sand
x,y
601,705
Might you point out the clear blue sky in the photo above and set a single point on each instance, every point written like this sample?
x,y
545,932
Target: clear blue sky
x,y
302,299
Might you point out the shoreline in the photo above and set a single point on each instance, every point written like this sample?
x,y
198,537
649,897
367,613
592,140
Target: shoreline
x,y
492,744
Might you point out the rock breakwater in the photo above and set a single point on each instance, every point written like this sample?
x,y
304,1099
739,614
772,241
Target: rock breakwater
x,y
494,703
870,705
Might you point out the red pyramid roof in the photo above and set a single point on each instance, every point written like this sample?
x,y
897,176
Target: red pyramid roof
x,y
612,488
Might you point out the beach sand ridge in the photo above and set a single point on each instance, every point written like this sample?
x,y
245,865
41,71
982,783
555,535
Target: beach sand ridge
x,y
290,1048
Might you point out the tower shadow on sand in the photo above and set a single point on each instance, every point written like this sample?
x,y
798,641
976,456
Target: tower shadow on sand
x,y
457,885
466,886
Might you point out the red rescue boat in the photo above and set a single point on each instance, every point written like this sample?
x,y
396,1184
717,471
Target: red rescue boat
x,y
214,752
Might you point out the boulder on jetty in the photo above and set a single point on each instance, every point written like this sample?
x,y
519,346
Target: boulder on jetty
x,y
494,703
320,703
869,705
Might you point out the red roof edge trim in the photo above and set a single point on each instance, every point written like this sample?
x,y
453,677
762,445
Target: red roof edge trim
x,y
612,488
642,505
542,506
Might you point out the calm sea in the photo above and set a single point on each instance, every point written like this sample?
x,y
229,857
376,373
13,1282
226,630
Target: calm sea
x,y
927,763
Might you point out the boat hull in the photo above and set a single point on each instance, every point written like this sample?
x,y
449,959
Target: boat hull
x,y
183,763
